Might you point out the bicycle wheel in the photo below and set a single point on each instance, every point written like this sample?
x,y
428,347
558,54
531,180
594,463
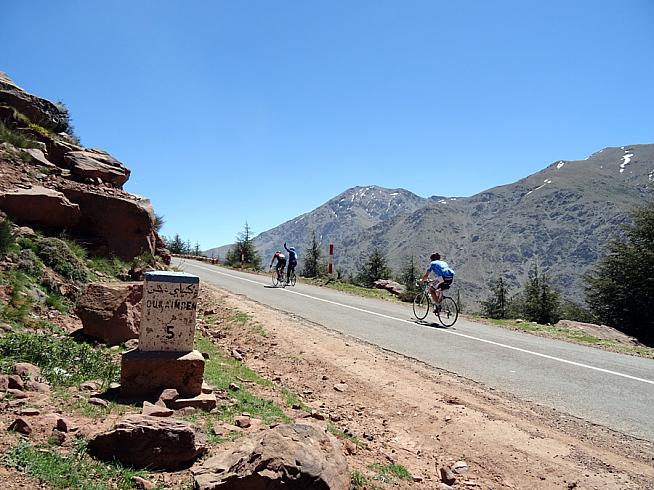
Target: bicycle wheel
x,y
275,278
421,304
449,312
292,279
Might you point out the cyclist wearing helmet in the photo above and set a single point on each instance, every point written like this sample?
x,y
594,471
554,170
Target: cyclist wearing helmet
x,y
444,277
292,261
281,263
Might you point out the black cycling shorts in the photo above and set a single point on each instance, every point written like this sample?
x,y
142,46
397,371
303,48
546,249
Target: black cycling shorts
x,y
447,282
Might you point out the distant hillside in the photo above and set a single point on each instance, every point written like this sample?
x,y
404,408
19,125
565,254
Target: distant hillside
x,y
561,217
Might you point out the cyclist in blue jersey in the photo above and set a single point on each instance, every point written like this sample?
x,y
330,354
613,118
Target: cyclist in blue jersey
x,y
444,276
292,261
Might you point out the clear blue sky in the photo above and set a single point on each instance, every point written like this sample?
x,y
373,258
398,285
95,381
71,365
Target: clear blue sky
x,y
259,111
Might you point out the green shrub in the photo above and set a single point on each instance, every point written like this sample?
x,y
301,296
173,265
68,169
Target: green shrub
x,y
29,263
57,254
6,237
72,470
63,361
14,138
19,304
109,266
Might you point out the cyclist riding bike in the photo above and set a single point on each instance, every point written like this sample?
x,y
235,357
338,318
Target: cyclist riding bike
x,y
281,263
444,276
292,261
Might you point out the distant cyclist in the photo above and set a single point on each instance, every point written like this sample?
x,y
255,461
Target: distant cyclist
x,y
281,263
444,276
292,261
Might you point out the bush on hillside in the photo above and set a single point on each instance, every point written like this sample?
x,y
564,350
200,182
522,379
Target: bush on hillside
x,y
56,253
6,237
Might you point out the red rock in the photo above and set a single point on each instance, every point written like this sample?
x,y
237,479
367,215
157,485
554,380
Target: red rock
x,y
39,205
146,374
150,442
124,227
27,371
111,311
287,456
21,426
96,164
155,410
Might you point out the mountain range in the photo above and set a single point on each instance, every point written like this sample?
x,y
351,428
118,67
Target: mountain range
x,y
559,218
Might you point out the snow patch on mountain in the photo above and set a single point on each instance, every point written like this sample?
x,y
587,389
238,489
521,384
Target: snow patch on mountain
x,y
546,181
560,164
625,160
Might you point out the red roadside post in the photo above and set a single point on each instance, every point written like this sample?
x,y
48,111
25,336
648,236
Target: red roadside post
x,y
330,264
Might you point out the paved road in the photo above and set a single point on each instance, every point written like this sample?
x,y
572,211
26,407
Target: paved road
x,y
610,389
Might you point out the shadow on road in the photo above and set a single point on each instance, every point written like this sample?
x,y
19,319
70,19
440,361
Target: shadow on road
x,y
434,324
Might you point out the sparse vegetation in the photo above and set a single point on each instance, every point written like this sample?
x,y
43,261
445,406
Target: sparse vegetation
x,y
73,470
15,138
221,371
6,237
388,472
63,361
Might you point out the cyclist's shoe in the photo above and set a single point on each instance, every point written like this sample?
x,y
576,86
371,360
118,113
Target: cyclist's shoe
x,y
437,309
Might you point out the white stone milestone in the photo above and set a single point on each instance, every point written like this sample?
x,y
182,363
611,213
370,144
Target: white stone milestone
x,y
168,311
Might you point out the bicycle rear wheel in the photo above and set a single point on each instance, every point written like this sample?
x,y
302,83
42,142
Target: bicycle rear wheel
x,y
292,279
421,305
449,312
275,278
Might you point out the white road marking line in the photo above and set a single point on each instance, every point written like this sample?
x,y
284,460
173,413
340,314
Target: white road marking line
x,y
459,334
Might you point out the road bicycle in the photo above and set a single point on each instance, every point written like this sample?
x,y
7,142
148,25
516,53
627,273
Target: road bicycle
x,y
447,311
277,278
292,279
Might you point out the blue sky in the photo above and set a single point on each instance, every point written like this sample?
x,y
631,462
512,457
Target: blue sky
x,y
259,111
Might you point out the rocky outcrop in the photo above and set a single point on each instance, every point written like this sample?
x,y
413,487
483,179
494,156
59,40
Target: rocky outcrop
x,y
38,110
111,312
295,456
391,286
121,226
40,206
142,441
93,206
97,165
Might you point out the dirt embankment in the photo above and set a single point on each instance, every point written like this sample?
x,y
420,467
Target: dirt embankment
x,y
407,413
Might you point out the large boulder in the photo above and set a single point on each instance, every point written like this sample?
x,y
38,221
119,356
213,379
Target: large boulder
x,y
121,226
143,441
111,311
41,206
96,164
295,456
391,286
38,110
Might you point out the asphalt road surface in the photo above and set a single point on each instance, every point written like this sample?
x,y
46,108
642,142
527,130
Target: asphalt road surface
x,y
605,388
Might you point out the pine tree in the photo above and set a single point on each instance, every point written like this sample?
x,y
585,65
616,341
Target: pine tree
x,y
409,274
540,301
311,261
375,268
244,251
497,304
176,245
620,288
196,249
